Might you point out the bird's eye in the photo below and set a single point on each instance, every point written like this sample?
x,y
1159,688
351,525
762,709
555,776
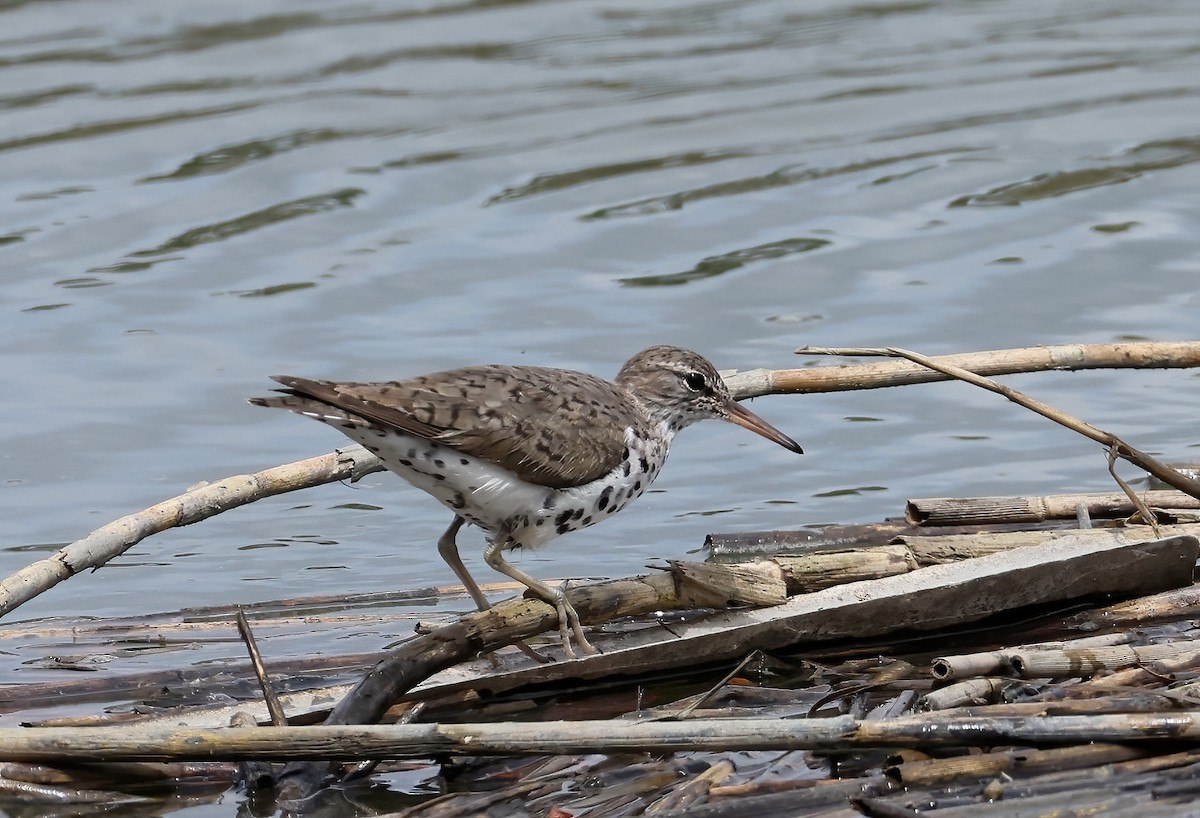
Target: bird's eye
x,y
694,381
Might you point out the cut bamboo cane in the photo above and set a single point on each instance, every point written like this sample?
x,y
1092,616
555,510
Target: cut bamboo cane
x,y
969,692
1057,664
966,665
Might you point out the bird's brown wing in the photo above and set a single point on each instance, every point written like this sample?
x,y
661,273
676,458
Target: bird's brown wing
x,y
554,427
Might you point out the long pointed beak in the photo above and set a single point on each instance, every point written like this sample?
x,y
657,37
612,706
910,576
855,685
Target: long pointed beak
x,y
736,413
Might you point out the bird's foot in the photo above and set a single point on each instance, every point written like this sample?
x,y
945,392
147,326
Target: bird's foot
x,y
569,624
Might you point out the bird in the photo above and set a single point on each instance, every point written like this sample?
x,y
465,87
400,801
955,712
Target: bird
x,y
527,453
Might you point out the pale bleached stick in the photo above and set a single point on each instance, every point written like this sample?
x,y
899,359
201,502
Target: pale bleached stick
x,y
192,506
355,742
1131,355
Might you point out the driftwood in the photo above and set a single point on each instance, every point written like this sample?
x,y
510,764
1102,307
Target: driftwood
x,y
1091,563
539,791
806,573
930,598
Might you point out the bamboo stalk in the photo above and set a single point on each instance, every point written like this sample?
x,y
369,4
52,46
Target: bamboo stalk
x,y
990,662
969,692
1053,664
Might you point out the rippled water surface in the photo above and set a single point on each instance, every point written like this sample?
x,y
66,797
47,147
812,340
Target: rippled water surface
x,y
196,196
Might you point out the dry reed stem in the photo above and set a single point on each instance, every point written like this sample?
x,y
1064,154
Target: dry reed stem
x,y
357,742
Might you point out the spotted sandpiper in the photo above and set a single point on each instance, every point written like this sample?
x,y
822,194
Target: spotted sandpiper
x,y
527,453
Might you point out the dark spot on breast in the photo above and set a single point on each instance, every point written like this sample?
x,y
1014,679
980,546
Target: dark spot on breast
x,y
602,503
562,519
577,513
540,520
441,464
406,462
550,501
458,501
411,454
373,449
637,486
563,528
645,464
463,461
586,521
625,468
437,476
346,425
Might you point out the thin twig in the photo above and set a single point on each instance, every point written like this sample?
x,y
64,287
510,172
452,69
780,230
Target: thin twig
x,y
1137,457
686,712
1148,516
278,717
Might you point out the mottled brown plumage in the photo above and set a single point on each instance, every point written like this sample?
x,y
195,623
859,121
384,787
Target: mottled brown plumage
x,y
527,453
553,427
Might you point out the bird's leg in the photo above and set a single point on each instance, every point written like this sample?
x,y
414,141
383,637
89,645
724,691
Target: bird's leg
x,y
567,617
448,548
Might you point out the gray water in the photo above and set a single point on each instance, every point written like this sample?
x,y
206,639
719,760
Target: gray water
x,y
196,196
